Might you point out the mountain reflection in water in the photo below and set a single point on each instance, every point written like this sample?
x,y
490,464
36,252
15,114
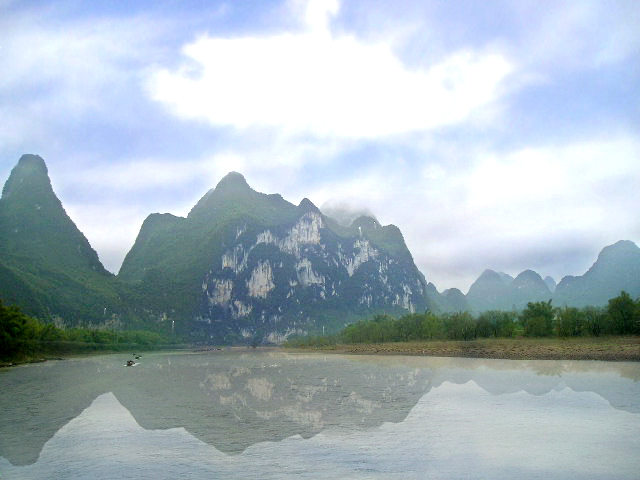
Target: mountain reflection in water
x,y
232,400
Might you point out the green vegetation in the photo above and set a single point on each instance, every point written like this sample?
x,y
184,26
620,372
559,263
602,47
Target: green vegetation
x,y
23,338
46,264
539,319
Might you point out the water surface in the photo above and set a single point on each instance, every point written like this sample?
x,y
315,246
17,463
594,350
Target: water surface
x,y
252,414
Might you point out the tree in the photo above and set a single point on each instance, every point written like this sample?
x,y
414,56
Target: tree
x,y
571,322
410,327
505,323
486,325
17,332
596,321
624,314
459,326
537,319
383,329
431,327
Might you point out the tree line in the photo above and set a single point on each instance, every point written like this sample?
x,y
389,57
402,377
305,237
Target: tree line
x,y
23,337
621,316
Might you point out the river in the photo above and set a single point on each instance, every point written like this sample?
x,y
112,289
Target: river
x,y
277,415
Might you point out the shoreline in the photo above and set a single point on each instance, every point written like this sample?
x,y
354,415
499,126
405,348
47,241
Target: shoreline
x,y
28,360
610,349
83,349
607,348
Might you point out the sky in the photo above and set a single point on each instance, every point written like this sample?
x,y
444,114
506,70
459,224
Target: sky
x,y
494,134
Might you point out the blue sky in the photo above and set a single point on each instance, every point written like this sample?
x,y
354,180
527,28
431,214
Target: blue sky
x,y
496,134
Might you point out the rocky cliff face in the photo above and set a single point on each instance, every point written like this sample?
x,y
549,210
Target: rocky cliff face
x,y
273,269
291,279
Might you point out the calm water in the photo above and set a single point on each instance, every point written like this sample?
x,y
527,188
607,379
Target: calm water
x,y
273,415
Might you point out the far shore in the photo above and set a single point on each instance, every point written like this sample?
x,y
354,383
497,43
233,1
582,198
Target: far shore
x,y
617,349
607,348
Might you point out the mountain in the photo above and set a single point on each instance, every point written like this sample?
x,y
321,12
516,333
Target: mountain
x,y
499,291
242,265
527,287
617,268
551,283
46,264
490,292
246,266
454,301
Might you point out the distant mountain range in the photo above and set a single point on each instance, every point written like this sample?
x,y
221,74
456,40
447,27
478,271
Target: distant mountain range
x,y
244,266
617,268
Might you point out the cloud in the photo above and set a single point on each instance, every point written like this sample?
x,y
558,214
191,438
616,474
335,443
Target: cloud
x,y
63,72
559,187
315,82
111,228
145,175
344,212
498,135
586,34
527,208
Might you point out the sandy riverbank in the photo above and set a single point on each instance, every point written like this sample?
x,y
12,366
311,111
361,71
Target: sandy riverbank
x,y
602,348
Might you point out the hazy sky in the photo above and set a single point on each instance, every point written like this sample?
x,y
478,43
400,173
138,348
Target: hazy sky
x,y
494,134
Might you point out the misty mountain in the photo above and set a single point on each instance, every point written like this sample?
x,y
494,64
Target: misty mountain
x,y
490,292
453,300
616,268
551,283
46,264
344,213
528,286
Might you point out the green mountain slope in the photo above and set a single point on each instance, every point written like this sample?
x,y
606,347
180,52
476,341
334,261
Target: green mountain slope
x,y
46,264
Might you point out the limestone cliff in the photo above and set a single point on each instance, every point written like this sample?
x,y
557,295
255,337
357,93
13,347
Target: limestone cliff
x,y
254,267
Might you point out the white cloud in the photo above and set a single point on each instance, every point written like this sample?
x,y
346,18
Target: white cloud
x,y
59,72
500,213
111,228
547,181
84,56
318,13
298,105
314,82
508,207
585,34
143,175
